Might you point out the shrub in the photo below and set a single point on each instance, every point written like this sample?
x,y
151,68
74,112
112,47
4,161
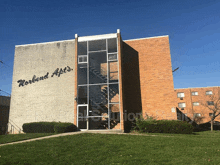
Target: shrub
x,y
163,126
47,127
64,127
39,127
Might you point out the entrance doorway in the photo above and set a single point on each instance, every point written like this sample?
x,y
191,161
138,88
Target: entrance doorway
x,y
90,120
82,117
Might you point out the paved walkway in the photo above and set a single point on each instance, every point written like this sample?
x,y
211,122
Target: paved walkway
x,y
75,133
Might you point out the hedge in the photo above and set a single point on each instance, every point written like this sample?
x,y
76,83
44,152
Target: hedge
x,y
164,126
48,127
64,127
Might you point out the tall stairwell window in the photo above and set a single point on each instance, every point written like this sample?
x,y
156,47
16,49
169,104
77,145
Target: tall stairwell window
x,y
98,82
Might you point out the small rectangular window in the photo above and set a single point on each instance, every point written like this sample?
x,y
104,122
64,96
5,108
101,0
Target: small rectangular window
x,y
208,92
197,115
182,105
112,57
180,95
195,93
211,114
82,59
195,103
210,102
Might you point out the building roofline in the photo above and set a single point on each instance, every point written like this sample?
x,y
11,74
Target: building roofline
x,y
83,38
197,87
97,37
146,38
93,37
45,42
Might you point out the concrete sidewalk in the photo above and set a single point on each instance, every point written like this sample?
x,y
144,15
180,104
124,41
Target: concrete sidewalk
x,y
75,133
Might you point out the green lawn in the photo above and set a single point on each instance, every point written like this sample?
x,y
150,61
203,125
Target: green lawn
x,y
18,137
200,148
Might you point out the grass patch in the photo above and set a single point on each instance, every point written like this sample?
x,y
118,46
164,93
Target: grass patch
x,y
18,137
200,148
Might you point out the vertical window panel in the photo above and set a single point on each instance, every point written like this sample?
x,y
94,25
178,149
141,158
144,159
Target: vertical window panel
x,y
82,74
98,100
113,93
97,45
82,95
82,48
113,72
97,67
112,45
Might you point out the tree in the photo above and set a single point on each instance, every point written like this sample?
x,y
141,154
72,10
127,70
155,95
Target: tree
x,y
214,106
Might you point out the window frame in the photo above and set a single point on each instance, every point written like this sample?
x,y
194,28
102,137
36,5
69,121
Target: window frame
x,y
208,102
208,92
82,56
197,115
182,106
195,103
194,93
180,93
112,59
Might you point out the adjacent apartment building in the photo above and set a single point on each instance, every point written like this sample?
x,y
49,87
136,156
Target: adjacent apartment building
x,y
197,103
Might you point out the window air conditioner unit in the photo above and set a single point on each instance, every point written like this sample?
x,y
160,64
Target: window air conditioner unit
x,y
181,98
182,108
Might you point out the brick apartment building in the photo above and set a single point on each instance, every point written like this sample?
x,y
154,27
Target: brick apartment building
x,y
95,82
193,102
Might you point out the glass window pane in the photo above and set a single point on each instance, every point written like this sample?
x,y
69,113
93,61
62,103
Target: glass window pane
x,y
98,123
82,74
113,93
194,93
210,102
195,103
97,68
82,123
82,48
114,107
115,116
82,59
82,95
112,57
208,92
181,94
182,105
113,72
97,45
98,100
112,45
82,111
197,115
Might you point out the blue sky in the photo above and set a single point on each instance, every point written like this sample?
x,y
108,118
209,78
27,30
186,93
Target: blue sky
x,y
193,28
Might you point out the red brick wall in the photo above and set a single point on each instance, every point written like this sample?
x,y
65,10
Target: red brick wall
x,y
156,80
131,85
120,80
202,98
